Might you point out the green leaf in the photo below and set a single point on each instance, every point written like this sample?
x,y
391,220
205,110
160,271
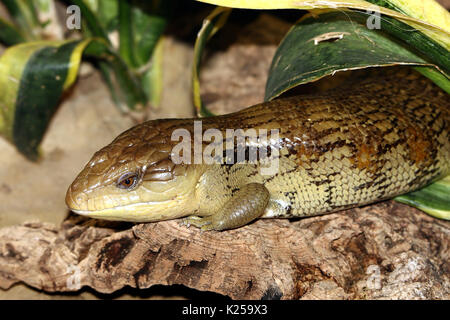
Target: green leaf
x,y
141,24
152,79
425,10
43,76
43,5
436,76
429,48
213,23
107,13
9,34
433,199
150,19
91,20
125,87
33,77
434,24
12,64
24,13
126,44
337,41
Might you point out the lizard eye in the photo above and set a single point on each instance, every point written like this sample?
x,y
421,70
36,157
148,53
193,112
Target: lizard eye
x,y
127,181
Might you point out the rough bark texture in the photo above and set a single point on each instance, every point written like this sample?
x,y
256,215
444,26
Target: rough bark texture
x,y
384,251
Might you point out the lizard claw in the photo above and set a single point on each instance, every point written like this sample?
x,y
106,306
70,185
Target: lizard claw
x,y
200,222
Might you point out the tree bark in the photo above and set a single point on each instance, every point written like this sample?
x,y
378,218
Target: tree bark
x,y
383,251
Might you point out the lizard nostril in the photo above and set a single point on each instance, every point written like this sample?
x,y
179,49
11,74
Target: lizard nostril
x,y
75,200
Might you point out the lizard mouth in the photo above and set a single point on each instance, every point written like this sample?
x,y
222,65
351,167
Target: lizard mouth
x,y
136,212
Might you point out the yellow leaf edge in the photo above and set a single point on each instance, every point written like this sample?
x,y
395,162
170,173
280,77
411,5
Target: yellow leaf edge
x,y
225,12
12,64
11,70
439,33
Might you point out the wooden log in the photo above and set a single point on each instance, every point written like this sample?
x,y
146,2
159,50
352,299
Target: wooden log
x,y
383,251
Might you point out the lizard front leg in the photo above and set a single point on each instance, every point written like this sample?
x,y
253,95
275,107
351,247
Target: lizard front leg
x,y
247,204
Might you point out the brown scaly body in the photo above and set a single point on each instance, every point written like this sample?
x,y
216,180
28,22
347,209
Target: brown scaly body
x,y
340,149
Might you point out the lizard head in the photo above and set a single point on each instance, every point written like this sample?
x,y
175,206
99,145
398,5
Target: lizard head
x,y
134,179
